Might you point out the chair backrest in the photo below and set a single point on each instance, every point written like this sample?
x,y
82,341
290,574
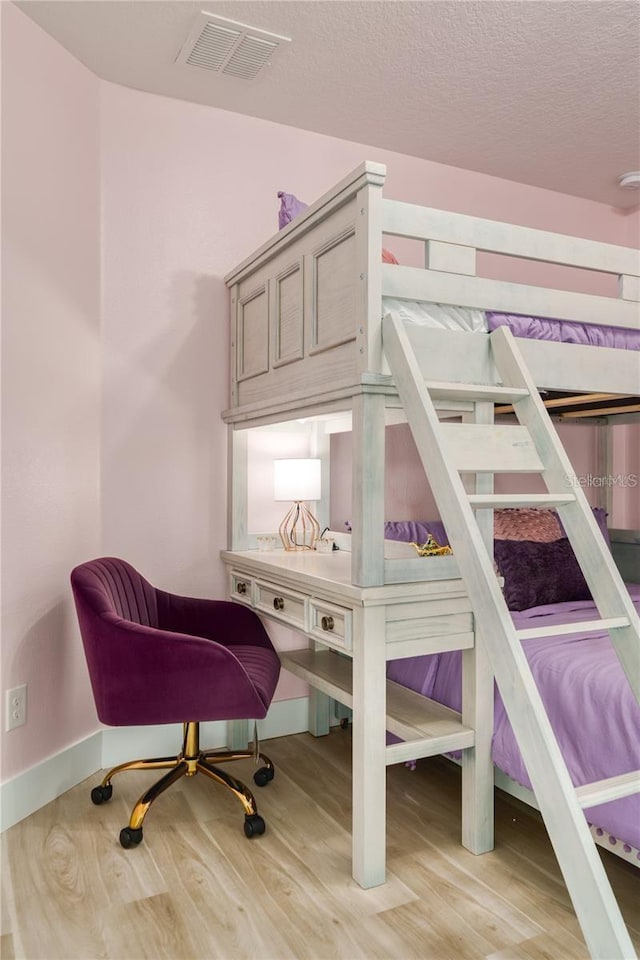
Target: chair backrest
x,y
106,592
110,585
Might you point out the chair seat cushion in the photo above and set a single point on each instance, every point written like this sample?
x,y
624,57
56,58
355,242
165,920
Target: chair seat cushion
x,y
262,666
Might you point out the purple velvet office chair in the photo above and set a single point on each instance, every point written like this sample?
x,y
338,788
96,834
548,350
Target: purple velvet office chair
x,y
155,657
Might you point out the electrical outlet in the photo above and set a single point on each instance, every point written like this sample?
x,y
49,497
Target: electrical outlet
x,y
16,707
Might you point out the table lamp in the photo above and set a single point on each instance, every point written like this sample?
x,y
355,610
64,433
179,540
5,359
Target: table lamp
x,y
298,480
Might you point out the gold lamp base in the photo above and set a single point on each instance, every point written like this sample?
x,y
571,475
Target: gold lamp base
x,y
299,530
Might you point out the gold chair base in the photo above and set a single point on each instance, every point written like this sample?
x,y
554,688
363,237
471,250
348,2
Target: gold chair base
x,y
188,763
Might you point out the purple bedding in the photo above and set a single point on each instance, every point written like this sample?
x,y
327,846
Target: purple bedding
x,y
590,704
565,331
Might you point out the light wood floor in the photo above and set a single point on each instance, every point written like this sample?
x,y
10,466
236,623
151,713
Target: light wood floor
x,y
197,888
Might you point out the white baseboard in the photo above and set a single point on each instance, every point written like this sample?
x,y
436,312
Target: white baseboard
x,y
33,788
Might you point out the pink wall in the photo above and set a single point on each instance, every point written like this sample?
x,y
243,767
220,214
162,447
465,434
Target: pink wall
x,y
185,193
625,478
188,192
408,495
50,381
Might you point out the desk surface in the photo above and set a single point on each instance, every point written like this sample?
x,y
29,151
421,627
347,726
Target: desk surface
x,y
330,573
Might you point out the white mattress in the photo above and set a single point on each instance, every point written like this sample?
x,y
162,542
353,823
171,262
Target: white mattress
x,y
437,315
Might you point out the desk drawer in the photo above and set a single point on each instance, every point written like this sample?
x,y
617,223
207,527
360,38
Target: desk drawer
x,y
330,624
281,604
241,587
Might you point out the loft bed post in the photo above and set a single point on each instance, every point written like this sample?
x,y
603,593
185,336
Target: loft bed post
x,y
604,463
369,760
319,447
237,471
368,409
477,676
368,489
369,282
477,690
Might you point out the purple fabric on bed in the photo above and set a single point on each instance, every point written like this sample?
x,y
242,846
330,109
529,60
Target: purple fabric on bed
x,y
590,704
416,531
565,331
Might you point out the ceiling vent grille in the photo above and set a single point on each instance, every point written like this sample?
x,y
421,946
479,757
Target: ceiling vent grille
x,y
228,47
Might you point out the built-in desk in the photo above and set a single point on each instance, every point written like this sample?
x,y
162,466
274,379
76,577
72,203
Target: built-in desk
x,y
351,632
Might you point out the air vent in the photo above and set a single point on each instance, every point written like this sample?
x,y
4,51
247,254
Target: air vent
x,y
228,47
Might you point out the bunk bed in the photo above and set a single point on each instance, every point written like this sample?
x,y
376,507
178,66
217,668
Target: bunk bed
x,y
307,312
594,714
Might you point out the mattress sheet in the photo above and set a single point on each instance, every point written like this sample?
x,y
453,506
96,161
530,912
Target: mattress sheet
x,y
590,704
468,320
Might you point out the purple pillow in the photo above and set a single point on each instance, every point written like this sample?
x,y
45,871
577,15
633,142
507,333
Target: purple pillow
x,y
290,207
536,574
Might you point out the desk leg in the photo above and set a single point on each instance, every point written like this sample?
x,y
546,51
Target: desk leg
x,y
319,706
369,748
319,709
477,766
477,694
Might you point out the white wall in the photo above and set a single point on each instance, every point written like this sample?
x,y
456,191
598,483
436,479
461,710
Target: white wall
x,y
50,380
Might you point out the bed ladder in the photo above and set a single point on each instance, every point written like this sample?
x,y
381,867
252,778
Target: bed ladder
x,y
531,446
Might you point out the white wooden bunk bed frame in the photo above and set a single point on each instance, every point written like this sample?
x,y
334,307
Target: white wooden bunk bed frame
x,y
307,343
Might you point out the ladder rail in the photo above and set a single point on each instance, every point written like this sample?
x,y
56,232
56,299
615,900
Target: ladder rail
x,y
584,874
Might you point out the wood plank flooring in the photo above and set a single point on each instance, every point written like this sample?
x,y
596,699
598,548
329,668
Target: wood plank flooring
x,y
197,889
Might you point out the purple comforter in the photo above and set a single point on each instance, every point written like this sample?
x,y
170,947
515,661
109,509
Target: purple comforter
x,y
565,331
592,710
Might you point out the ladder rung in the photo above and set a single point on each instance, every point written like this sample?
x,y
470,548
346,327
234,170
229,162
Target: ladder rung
x,y
613,788
479,500
492,448
584,626
475,391
430,746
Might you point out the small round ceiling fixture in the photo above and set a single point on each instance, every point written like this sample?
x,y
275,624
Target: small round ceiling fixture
x,y
630,181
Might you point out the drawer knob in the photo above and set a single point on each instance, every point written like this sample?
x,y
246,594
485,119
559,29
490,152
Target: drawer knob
x,y
327,623
278,603
241,586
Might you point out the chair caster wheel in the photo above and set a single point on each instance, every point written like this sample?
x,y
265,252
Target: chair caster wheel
x,y
263,776
101,794
254,825
130,837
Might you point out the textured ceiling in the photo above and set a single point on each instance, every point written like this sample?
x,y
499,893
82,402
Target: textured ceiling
x,y
545,92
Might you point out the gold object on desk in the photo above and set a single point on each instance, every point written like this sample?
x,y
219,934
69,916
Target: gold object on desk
x,y
431,548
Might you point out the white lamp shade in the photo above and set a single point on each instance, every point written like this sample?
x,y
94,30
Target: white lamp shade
x,y
296,479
